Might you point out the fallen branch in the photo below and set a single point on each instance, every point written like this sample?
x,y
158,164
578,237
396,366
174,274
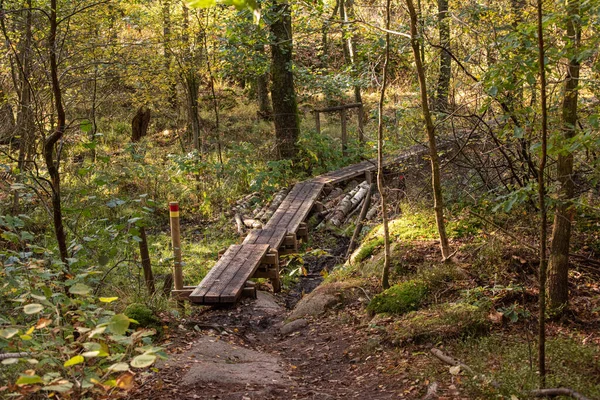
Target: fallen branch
x,y
554,392
350,201
450,360
6,356
431,391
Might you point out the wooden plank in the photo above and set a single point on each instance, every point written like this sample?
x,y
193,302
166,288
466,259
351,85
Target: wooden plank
x,y
307,189
214,274
214,293
281,210
233,290
300,215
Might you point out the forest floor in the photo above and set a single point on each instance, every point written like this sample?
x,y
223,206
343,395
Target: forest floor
x,y
241,353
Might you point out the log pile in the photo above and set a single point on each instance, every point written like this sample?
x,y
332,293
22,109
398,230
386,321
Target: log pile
x,y
248,213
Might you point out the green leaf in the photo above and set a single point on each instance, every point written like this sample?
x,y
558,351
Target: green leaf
x,y
119,367
202,3
74,361
8,333
85,126
118,324
60,388
28,380
108,299
143,360
33,308
80,289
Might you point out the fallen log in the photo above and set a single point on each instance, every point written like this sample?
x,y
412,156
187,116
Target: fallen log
x,y
374,209
239,223
269,211
350,201
554,392
6,356
252,223
359,222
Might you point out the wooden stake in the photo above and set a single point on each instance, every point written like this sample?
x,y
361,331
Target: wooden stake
x,y
361,128
176,241
344,132
318,122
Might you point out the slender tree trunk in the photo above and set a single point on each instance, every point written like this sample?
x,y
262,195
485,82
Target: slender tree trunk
x,y
542,202
146,264
283,94
262,93
25,122
140,123
558,277
323,54
435,163
385,280
51,164
443,86
192,58
168,58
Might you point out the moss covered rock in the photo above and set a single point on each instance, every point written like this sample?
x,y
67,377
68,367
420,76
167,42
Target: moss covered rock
x,y
399,299
142,314
448,320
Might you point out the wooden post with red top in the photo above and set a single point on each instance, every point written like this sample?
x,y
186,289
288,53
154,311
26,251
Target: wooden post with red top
x,y
176,241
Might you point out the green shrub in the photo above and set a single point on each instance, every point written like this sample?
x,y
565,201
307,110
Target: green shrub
x,y
399,299
142,314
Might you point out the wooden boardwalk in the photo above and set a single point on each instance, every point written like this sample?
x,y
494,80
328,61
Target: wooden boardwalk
x,y
258,255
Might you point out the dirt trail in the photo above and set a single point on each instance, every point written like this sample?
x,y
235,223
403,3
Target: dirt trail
x,y
240,353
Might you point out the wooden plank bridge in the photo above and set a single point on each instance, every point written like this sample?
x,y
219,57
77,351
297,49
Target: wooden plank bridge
x,y
258,255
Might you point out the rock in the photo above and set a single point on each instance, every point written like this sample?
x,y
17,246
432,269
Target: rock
x,y
293,326
213,360
266,302
319,301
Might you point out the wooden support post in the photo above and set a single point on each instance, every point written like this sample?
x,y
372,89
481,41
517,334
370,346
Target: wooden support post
x,y
318,121
344,133
361,128
303,232
176,241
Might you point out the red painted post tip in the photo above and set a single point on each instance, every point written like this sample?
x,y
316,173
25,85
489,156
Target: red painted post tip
x,y
173,206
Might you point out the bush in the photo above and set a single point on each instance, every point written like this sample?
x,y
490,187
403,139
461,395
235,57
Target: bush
x,y
142,314
399,299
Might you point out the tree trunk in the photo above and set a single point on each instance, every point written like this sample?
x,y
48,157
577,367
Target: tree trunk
x,y
435,163
285,108
385,274
168,58
443,86
558,274
51,164
146,264
7,119
349,39
139,124
262,92
323,54
542,201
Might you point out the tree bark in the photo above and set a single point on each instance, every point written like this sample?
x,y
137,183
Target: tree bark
x,y
435,163
542,201
139,124
51,164
262,93
285,108
146,264
443,86
558,274
385,274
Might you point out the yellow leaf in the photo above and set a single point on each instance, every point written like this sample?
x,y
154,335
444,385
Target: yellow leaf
x,y
42,323
74,361
108,299
30,330
125,381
